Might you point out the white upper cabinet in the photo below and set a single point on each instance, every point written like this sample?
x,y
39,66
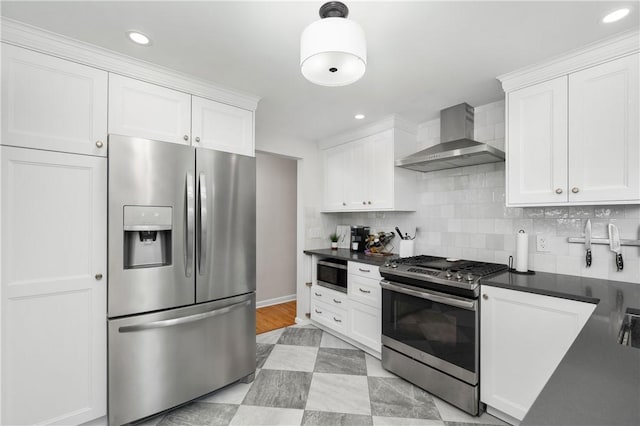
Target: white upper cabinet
x,y
537,152
222,127
54,287
604,132
148,111
53,104
575,139
360,175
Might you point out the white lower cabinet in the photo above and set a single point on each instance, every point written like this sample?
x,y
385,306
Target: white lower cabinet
x,y
53,287
329,307
523,338
365,324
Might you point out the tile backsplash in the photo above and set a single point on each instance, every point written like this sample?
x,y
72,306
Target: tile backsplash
x,y
462,214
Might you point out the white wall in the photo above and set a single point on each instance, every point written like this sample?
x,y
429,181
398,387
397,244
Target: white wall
x,y
462,214
276,212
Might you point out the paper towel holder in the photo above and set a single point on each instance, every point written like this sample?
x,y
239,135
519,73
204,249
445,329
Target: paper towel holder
x,y
514,271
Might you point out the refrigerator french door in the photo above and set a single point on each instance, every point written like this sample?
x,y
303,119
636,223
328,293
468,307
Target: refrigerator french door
x,y
181,290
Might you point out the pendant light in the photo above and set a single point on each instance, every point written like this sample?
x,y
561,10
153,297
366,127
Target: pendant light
x,y
333,50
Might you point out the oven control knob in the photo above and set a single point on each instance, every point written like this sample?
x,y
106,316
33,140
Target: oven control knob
x,y
386,265
470,277
393,265
458,276
448,274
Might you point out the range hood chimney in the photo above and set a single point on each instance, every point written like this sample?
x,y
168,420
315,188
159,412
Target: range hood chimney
x,y
457,147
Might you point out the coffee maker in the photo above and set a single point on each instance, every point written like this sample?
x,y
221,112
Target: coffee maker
x,y
359,236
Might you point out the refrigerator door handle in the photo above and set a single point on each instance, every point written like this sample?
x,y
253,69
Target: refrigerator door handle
x,y
183,320
190,210
203,223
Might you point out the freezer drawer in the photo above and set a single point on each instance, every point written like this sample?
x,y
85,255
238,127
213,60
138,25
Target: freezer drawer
x,y
160,360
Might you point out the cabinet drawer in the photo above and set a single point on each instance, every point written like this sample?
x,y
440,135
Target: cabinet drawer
x,y
328,296
365,325
331,316
364,270
364,290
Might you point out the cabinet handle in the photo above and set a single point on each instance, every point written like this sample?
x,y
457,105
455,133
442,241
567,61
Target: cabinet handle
x,y
336,319
364,203
485,296
98,276
99,144
368,202
364,291
185,137
317,311
344,204
559,191
317,294
337,301
197,138
575,189
364,270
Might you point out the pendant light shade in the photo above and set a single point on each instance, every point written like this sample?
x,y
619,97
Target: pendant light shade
x,y
333,50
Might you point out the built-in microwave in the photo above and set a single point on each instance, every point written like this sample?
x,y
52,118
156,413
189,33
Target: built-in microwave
x,y
332,273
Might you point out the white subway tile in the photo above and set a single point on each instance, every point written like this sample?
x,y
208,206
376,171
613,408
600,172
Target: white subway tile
x,y
503,226
486,225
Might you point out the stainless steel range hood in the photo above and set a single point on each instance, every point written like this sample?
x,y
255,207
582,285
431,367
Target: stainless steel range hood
x,y
457,148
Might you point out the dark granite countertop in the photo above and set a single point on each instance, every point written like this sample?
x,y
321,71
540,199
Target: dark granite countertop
x,y
598,380
346,254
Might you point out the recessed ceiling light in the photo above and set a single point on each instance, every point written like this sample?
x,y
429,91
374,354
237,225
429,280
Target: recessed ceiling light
x,y
358,116
616,15
139,38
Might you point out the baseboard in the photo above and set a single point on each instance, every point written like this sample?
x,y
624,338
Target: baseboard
x,y
275,301
302,321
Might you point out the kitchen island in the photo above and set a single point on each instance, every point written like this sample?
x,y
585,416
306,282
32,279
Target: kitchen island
x,y
598,380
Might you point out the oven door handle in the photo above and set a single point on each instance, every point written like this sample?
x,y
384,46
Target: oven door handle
x,y
469,305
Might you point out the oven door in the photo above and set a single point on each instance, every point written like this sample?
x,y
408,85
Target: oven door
x,y
437,329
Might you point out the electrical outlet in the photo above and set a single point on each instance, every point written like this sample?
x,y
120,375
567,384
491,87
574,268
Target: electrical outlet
x,y
542,243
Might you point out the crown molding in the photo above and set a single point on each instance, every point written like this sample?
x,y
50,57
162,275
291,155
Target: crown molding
x,y
40,40
623,44
390,122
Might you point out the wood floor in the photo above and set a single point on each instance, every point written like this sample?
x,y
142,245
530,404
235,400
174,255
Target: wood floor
x,y
275,316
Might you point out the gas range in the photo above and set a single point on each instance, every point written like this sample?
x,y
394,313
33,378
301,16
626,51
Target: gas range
x,y
445,274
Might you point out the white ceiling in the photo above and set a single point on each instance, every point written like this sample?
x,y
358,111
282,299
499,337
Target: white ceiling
x,y
422,55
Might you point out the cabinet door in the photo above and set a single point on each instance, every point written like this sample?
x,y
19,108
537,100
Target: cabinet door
x,y
355,176
604,132
222,127
53,104
365,324
523,339
537,144
335,163
54,342
379,171
148,111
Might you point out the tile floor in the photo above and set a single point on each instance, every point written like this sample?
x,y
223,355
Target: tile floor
x,y
305,376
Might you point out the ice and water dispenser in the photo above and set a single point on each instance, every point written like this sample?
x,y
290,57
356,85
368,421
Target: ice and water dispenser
x,y
147,236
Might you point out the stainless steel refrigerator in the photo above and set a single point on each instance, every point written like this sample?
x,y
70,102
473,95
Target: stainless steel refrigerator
x,y
181,285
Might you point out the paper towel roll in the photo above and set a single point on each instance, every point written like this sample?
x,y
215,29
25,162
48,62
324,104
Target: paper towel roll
x,y
522,251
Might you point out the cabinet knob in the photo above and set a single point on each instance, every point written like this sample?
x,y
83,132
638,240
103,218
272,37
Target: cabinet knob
x,y
485,296
364,203
99,144
197,138
98,276
575,189
185,137
559,191
368,202
344,204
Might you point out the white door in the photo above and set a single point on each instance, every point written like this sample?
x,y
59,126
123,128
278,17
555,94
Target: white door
x,y
53,104
148,111
537,144
523,339
380,171
604,132
53,299
222,127
335,163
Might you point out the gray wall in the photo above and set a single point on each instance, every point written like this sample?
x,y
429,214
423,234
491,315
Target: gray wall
x,y
276,228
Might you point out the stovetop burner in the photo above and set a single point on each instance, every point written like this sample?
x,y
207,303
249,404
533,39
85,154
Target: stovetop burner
x,y
439,272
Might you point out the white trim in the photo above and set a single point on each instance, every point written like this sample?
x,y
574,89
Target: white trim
x,y
38,39
275,301
301,321
622,44
391,122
